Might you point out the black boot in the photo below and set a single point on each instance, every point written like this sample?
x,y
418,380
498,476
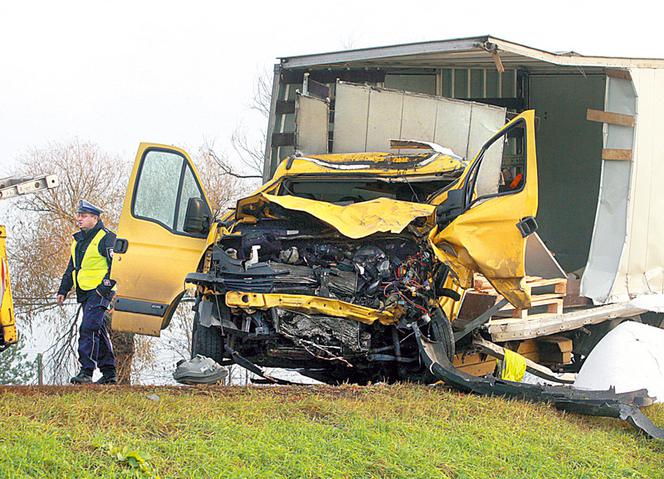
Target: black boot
x,y
81,378
108,377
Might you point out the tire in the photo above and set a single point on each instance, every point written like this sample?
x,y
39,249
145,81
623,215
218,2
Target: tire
x,y
441,332
206,341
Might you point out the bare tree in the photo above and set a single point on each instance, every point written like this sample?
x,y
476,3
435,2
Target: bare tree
x,y
41,237
262,98
250,152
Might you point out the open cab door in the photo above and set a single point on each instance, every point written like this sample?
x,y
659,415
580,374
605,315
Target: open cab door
x,y
484,219
161,238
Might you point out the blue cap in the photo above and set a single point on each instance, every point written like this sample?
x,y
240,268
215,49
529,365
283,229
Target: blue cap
x,y
87,207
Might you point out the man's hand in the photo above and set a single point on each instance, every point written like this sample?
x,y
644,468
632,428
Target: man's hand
x,y
60,299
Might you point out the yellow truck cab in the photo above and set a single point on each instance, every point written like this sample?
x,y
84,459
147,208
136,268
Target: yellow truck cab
x,y
327,265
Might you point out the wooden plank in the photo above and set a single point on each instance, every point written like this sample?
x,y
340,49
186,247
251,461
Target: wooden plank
x,y
499,63
532,367
559,285
616,154
539,300
481,369
563,344
546,324
610,117
620,74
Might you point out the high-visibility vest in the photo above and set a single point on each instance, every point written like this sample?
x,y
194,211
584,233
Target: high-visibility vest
x,y
93,268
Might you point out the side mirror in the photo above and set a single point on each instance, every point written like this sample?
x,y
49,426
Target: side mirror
x,y
197,218
450,208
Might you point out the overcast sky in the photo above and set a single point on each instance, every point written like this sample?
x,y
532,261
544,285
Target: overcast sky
x,y
117,73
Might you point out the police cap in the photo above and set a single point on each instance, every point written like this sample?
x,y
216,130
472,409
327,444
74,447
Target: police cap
x,y
87,207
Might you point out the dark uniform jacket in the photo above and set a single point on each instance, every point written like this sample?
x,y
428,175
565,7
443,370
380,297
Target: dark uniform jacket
x,y
83,239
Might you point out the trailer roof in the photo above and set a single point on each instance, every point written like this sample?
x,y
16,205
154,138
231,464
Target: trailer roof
x,y
472,51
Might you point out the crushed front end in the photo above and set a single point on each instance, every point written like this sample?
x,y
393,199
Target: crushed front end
x,y
324,273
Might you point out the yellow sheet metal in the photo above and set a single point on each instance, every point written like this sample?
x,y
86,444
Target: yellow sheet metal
x,y
7,324
358,220
485,238
310,305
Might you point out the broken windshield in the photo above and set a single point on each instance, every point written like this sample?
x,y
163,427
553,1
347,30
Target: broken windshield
x,y
355,190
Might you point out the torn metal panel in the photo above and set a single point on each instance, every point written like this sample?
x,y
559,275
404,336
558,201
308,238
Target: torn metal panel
x,y
609,232
311,124
366,118
641,269
539,260
423,145
357,220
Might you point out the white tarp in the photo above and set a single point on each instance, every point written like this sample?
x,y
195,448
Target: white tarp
x,y
629,357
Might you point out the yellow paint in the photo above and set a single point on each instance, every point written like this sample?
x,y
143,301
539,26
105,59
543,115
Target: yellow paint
x,y
512,367
7,324
485,239
156,262
357,220
373,160
311,305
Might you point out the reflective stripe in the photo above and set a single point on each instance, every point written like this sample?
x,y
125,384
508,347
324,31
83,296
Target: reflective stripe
x,y
93,267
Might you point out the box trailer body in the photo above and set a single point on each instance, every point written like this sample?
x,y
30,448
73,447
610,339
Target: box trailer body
x,y
598,151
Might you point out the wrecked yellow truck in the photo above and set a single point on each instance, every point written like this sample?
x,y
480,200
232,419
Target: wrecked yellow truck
x,y
345,267
360,262
327,265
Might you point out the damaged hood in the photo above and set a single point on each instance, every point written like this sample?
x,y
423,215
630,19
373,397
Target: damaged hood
x,y
357,220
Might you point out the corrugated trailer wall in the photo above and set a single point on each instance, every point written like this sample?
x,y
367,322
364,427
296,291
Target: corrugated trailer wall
x,y
480,84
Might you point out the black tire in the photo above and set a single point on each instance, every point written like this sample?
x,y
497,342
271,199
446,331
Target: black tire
x,y
441,332
206,341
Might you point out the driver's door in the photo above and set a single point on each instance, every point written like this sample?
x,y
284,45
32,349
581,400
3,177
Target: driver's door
x,y
486,216
156,248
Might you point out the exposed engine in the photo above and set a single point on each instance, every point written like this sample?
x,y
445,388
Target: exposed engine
x,y
389,272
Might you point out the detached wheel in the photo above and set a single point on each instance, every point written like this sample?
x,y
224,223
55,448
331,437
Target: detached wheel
x,y
206,341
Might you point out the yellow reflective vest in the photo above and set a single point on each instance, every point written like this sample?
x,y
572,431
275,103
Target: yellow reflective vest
x,y
93,268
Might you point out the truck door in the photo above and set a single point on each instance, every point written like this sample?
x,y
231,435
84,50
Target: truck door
x,y
161,238
486,216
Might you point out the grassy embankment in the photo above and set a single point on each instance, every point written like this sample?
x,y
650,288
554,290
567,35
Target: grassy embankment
x,y
397,431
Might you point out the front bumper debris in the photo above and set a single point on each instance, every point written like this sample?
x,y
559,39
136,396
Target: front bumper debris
x,y
607,403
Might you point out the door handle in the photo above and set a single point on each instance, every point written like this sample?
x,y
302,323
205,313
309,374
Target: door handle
x,y
120,246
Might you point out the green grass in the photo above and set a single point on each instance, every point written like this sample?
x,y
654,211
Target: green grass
x,y
399,431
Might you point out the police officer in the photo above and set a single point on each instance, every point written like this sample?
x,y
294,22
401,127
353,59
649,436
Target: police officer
x,y
88,271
